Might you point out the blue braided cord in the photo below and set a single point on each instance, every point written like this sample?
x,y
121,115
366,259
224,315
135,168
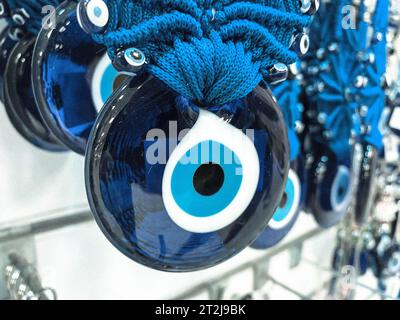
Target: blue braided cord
x,y
34,9
340,100
211,52
287,93
373,95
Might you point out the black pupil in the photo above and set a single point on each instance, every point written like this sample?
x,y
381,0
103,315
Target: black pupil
x,y
208,179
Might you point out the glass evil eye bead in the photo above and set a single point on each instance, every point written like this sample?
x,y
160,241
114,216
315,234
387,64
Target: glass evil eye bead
x,y
7,43
329,187
93,15
301,44
285,215
129,61
367,176
72,78
309,7
180,188
19,101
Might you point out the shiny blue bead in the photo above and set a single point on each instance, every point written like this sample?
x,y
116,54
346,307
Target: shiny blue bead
x,y
135,174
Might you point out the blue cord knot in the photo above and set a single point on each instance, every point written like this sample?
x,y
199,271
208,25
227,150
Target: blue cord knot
x,y
33,8
210,51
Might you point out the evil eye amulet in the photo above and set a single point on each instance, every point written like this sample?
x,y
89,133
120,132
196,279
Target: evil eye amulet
x,y
19,101
180,188
285,215
329,187
72,78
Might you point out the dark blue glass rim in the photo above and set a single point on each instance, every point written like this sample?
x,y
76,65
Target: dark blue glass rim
x,y
40,46
14,108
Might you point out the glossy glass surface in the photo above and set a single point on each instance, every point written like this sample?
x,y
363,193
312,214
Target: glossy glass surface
x,y
329,187
288,211
19,102
72,78
6,45
125,187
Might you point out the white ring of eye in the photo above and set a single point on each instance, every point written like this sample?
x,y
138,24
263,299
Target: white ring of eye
x,y
276,225
340,206
304,44
214,128
99,21
97,78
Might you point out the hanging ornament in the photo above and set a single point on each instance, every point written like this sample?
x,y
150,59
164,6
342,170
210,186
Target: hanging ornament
x,y
287,94
18,95
72,77
337,87
187,162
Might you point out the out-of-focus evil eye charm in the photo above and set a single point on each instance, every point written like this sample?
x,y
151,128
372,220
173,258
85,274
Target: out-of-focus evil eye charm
x,y
329,187
19,101
180,188
72,78
285,216
7,43
367,161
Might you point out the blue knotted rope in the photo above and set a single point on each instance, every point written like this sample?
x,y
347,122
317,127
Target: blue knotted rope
x,y
34,9
337,105
209,51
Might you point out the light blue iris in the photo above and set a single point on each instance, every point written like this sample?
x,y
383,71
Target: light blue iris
x,y
97,12
107,82
281,213
183,189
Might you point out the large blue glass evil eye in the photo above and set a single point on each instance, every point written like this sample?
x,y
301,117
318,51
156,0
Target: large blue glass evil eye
x,y
73,78
330,187
285,216
19,101
179,188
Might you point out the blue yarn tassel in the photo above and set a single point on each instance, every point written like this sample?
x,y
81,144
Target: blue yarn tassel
x,y
211,52
34,9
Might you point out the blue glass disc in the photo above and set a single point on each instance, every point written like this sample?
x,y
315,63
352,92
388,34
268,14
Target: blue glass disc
x,y
128,192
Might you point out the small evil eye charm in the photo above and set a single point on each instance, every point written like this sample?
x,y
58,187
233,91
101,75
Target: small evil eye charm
x,y
309,7
93,15
367,164
7,43
72,78
285,216
301,43
179,188
19,101
130,61
329,187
